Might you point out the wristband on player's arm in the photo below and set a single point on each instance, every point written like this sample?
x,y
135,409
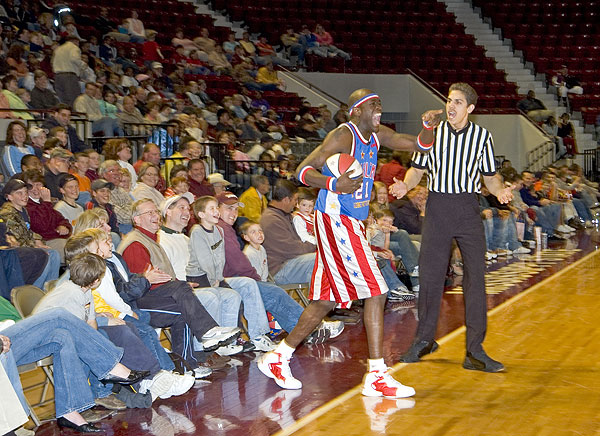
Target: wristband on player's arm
x,y
303,172
423,146
331,184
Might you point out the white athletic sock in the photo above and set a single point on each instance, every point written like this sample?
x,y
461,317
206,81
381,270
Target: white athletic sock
x,y
285,350
376,365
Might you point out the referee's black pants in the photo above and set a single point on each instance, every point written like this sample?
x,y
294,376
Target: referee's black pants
x,y
447,217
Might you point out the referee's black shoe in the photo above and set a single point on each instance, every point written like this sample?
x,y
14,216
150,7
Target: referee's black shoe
x,y
480,361
418,350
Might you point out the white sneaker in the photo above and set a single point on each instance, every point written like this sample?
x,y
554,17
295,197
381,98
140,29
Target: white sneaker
x,y
415,289
335,328
382,384
274,366
201,372
263,343
181,384
219,336
521,250
229,350
489,255
415,272
157,385
563,228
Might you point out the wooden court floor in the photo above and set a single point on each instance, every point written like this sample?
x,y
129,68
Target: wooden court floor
x,y
548,337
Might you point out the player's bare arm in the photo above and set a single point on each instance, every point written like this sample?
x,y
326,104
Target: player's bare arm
x,y
402,141
337,141
496,188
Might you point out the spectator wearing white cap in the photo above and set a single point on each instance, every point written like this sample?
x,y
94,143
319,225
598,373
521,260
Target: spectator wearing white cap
x,y
218,182
38,137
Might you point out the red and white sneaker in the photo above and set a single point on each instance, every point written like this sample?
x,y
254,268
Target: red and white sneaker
x,y
382,384
274,366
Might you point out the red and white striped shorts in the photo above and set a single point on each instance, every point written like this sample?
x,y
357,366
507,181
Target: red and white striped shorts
x,y
345,269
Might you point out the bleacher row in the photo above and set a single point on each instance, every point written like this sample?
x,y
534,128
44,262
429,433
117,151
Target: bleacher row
x,y
417,35
555,33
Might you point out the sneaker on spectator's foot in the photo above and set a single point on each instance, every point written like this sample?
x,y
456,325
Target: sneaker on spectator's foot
x,y
247,346
401,294
415,272
415,290
521,250
219,336
263,343
181,384
502,252
201,372
382,384
563,228
274,366
111,402
335,328
489,255
157,385
229,350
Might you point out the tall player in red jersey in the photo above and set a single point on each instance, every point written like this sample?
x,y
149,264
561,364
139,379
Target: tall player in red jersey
x,y
346,269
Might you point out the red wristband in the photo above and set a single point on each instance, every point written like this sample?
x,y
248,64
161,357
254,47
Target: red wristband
x,y
426,126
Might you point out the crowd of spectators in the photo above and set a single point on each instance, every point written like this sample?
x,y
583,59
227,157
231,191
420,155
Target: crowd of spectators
x,y
170,221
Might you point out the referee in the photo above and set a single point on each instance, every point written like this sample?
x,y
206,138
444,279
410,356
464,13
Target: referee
x,y
461,154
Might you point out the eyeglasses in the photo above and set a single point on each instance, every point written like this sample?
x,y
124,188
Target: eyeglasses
x,y
151,212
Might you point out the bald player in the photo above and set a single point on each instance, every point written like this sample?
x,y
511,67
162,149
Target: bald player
x,y
345,268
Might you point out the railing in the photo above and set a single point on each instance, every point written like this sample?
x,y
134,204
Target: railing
x,y
540,157
240,172
590,164
311,85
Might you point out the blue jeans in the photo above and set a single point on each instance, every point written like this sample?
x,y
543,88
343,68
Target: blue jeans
x,y
50,272
548,217
7,360
296,270
254,308
582,209
389,275
76,349
283,307
223,304
150,339
401,244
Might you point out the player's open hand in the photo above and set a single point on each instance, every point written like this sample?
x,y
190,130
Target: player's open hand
x,y
398,189
432,118
346,185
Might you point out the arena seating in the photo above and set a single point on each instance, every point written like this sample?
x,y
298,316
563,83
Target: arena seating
x,y
554,33
420,35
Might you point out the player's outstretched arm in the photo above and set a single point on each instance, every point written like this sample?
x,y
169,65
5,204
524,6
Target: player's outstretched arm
x,y
403,141
337,141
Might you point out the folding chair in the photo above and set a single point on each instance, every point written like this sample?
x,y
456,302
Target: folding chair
x,y
25,298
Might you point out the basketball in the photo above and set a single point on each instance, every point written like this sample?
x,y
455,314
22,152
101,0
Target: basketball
x,y
341,163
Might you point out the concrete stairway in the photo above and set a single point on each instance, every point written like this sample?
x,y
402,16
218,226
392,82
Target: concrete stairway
x,y
512,63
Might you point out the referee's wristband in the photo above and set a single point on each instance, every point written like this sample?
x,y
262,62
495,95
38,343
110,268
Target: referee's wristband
x,y
423,146
331,184
426,125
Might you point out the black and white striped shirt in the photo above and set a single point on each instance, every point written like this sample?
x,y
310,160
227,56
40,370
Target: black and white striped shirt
x,y
457,159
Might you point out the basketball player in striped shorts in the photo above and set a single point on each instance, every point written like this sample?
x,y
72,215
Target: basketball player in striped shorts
x,y
346,269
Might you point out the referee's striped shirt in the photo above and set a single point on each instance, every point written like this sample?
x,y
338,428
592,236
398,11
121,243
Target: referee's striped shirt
x,y
457,159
